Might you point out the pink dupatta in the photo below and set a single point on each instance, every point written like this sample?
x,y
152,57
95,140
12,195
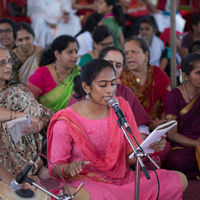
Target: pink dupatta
x,y
113,164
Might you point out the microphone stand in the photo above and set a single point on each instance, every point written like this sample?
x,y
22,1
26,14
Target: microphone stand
x,y
63,197
138,155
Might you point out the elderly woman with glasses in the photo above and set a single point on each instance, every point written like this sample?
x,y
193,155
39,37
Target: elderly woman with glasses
x,y
17,102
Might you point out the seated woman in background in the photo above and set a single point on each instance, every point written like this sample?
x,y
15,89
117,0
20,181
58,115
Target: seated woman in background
x,y
52,83
102,37
17,101
85,144
84,37
148,30
183,104
26,55
51,19
117,58
149,83
113,18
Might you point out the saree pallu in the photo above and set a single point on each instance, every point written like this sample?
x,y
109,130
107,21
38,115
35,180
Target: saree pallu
x,y
58,98
153,93
188,116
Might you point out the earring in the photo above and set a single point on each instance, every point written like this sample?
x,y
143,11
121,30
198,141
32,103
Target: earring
x,y
87,96
181,76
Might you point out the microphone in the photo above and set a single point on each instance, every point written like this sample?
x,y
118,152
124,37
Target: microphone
x,y
114,103
16,184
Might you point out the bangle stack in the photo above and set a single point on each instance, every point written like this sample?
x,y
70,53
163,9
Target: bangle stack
x,y
11,114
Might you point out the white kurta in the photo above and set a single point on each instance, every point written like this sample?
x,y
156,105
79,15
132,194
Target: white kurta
x,y
156,49
46,12
85,43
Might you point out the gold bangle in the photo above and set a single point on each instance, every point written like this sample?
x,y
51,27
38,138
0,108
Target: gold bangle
x,y
63,170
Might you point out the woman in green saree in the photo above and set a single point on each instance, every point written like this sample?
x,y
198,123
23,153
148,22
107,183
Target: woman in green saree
x,y
52,83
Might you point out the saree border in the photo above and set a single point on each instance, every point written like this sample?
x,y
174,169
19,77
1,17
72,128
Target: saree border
x,y
188,107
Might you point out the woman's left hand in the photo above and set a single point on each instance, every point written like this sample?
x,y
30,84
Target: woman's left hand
x,y
160,145
35,127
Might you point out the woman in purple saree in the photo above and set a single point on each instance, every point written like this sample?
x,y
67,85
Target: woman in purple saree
x,y
183,104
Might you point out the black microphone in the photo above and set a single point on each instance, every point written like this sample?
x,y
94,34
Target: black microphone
x,y
16,184
114,103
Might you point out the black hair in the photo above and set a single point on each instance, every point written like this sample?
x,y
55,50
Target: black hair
x,y
105,51
88,73
11,23
149,20
100,33
91,23
187,64
59,44
24,26
195,19
195,46
117,11
141,42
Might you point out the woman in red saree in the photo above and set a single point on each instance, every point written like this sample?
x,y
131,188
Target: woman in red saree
x,y
86,145
183,104
149,83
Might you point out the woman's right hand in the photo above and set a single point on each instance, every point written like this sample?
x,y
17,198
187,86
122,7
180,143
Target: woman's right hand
x,y
75,168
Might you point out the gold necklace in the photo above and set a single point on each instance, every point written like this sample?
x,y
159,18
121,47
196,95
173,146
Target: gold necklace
x,y
138,80
58,77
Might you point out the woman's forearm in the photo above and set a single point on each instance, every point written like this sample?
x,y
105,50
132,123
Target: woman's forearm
x,y
185,141
7,114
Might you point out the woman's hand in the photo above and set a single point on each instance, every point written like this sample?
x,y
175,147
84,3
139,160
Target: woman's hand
x,y
35,127
75,168
160,145
157,122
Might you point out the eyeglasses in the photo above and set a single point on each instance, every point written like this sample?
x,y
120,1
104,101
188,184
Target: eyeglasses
x,y
4,62
116,64
105,44
5,31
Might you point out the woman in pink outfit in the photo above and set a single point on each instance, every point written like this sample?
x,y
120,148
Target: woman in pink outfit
x,y
86,145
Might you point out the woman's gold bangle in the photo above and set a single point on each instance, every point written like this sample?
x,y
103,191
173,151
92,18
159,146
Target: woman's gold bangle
x,y
63,170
